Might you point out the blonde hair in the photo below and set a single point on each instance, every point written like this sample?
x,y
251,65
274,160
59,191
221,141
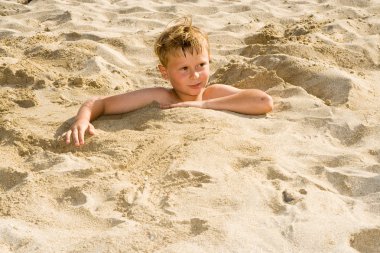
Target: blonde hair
x,y
182,35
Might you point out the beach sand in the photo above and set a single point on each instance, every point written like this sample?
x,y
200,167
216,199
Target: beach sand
x,y
304,178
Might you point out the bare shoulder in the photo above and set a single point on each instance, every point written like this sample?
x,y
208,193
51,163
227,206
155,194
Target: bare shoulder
x,y
219,90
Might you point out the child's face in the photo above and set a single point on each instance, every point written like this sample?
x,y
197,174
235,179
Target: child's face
x,y
188,74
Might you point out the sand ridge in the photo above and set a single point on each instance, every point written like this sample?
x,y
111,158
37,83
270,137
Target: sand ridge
x,y
304,178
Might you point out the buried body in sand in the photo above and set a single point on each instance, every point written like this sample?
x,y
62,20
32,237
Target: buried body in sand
x,y
184,54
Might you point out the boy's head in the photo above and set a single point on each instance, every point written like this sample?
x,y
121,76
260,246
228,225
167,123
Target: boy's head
x,y
183,38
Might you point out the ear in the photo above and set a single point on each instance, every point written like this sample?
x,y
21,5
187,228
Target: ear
x,y
163,71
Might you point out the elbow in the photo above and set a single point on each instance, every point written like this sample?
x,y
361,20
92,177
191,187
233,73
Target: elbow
x,y
267,103
263,105
92,100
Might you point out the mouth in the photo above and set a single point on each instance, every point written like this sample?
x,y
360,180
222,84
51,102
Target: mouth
x,y
195,86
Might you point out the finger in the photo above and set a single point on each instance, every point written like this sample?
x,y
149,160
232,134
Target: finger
x,y
178,105
164,106
91,129
81,135
68,136
75,137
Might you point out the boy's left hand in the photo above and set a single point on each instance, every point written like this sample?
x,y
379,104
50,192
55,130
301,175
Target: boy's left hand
x,y
197,104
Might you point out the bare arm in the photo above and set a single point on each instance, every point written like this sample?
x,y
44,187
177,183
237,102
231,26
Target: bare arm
x,y
223,97
95,107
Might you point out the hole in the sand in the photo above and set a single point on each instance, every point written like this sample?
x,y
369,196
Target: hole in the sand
x,y
288,197
198,226
292,197
74,196
366,241
24,1
10,178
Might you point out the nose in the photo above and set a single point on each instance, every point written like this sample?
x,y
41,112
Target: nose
x,y
194,74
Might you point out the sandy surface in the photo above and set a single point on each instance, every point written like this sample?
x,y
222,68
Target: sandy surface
x,y
304,178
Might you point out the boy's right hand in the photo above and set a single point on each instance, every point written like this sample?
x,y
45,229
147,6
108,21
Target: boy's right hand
x,y
77,132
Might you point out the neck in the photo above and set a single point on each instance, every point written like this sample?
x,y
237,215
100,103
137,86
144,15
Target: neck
x,y
184,97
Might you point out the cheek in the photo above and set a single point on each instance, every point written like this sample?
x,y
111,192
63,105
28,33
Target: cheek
x,y
179,76
206,73
176,78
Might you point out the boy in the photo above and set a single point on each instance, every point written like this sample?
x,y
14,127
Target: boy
x,y
184,55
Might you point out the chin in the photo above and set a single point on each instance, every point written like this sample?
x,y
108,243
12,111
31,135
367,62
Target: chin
x,y
195,93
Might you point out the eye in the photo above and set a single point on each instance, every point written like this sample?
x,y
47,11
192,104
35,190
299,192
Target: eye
x,y
201,65
184,68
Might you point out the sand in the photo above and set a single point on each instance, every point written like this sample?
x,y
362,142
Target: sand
x,y
304,178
